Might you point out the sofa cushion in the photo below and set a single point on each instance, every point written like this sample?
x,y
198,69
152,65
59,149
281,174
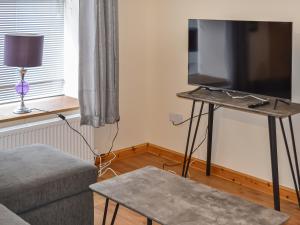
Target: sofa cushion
x,y
7,217
36,175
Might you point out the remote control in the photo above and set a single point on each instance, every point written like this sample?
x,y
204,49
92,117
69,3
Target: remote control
x,y
252,106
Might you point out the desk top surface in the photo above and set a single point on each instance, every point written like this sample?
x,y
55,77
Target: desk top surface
x,y
173,200
223,100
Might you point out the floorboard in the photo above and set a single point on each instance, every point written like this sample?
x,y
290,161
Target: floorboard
x,y
127,217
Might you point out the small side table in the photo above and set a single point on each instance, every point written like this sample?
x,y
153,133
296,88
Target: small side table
x,y
169,199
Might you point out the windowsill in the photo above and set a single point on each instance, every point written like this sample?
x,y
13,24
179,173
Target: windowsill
x,y
52,105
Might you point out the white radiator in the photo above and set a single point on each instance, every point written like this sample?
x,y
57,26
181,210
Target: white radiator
x,y
52,132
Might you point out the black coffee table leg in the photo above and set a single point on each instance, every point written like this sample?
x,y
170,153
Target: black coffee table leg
x,y
115,214
105,211
149,221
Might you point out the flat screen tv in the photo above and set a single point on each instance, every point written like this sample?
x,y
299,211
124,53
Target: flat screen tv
x,y
248,56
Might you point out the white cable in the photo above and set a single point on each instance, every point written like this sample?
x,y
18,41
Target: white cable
x,y
105,167
245,96
193,161
108,162
108,169
172,171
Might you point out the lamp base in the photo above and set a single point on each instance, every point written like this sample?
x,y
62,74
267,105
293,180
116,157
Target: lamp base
x,y
22,110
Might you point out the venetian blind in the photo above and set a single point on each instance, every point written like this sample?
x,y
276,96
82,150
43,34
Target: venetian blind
x,y
44,17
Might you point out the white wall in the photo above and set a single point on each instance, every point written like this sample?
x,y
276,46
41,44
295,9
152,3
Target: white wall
x,y
133,19
153,68
240,139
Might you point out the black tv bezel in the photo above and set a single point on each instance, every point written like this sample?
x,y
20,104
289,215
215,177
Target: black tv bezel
x,y
238,91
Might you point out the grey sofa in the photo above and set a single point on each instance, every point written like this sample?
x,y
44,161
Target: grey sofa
x,y
47,187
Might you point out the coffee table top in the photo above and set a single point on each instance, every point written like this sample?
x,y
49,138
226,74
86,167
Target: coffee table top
x,y
172,200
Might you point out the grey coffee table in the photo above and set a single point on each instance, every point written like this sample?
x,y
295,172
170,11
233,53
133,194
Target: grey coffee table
x,y
173,200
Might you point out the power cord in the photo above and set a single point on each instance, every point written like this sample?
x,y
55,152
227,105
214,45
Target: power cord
x,y
195,149
103,168
186,120
244,96
203,140
79,133
114,139
62,117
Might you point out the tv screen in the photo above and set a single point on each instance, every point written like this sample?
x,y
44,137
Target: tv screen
x,y
247,56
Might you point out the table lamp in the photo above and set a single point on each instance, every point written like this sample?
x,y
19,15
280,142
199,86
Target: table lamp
x,y
23,50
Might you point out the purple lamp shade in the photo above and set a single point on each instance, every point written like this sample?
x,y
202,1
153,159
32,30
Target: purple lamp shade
x,y
23,50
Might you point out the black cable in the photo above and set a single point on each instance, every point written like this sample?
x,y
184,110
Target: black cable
x,y
81,135
113,141
183,122
62,117
195,149
205,88
202,141
205,137
203,114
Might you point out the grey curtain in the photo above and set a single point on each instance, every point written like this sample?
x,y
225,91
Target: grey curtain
x,y
98,62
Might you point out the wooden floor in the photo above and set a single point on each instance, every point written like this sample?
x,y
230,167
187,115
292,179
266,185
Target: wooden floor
x,y
127,217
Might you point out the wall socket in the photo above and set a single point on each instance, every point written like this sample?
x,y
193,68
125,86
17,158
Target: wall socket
x,y
175,118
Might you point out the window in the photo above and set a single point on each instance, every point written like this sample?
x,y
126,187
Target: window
x,y
44,17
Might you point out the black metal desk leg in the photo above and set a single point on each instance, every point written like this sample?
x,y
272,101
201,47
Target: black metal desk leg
x,y
294,150
115,214
188,138
193,142
290,160
209,137
105,211
274,161
149,221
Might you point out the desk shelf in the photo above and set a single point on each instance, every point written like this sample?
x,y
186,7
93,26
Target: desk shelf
x,y
222,99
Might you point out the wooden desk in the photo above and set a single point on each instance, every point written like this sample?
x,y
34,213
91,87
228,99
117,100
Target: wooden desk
x,y
221,99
